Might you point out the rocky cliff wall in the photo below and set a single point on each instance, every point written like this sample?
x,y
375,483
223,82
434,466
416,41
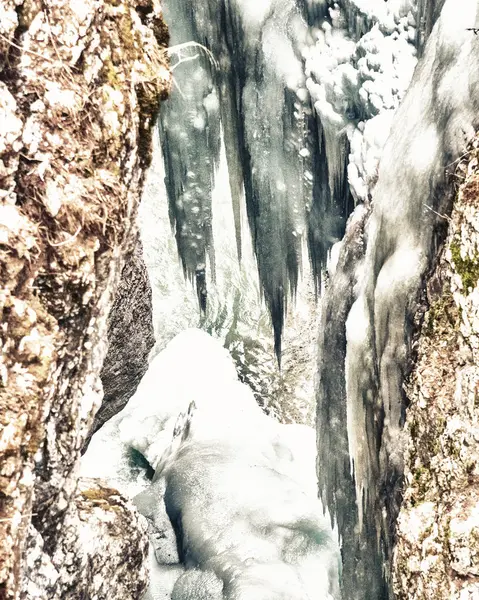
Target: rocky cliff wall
x,y
130,338
80,84
437,551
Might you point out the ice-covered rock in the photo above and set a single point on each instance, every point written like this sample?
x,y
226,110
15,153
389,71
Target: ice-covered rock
x,y
372,307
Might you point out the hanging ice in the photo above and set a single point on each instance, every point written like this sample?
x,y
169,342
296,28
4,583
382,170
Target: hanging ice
x,y
296,87
370,308
270,136
304,130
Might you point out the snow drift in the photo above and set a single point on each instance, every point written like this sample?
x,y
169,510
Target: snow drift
x,y
233,508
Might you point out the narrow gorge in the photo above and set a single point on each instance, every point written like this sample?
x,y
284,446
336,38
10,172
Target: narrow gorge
x,y
238,288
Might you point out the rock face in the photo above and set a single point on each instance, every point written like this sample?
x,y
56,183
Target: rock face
x,y
79,87
130,338
99,523
437,552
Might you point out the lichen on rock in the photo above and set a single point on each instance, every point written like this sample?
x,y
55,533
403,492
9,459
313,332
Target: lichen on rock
x,y
437,550
103,550
74,141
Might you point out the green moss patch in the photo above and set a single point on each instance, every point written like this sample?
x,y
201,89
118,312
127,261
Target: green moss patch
x,y
466,268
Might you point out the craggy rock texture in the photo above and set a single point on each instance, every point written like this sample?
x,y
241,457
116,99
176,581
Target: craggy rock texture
x,y
104,541
437,553
130,338
79,86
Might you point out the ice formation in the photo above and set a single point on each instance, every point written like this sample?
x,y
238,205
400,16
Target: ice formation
x,y
303,94
235,312
369,310
261,135
233,509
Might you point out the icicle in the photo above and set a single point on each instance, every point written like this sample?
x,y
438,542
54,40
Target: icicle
x,y
190,133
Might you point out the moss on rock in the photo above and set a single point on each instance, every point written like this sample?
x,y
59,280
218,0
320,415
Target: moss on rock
x,y
436,550
74,142
467,268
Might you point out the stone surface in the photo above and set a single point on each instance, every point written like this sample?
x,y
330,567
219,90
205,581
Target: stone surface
x,y
437,550
103,540
80,84
130,338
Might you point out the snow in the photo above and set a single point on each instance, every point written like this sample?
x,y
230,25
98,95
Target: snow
x,y
364,77
153,411
254,12
237,487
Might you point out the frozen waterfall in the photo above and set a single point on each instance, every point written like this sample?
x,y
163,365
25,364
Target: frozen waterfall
x,y
299,162
303,94
371,309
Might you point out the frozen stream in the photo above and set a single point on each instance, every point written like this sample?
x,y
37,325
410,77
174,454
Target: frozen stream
x,y
233,509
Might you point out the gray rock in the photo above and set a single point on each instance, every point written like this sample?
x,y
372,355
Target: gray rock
x,y
101,550
130,338
162,536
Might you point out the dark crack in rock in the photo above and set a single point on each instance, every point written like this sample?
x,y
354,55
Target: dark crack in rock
x,y
130,338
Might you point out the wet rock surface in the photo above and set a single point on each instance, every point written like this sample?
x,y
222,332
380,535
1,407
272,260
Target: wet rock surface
x,y
130,338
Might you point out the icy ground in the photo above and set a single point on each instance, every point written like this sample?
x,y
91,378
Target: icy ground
x,y
232,508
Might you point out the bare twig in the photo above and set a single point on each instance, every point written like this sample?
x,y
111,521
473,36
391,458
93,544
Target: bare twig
x,y
27,51
72,238
183,60
177,86
55,48
459,158
179,47
22,517
436,213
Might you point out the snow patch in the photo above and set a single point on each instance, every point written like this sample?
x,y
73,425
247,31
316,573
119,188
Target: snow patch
x,y
238,487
